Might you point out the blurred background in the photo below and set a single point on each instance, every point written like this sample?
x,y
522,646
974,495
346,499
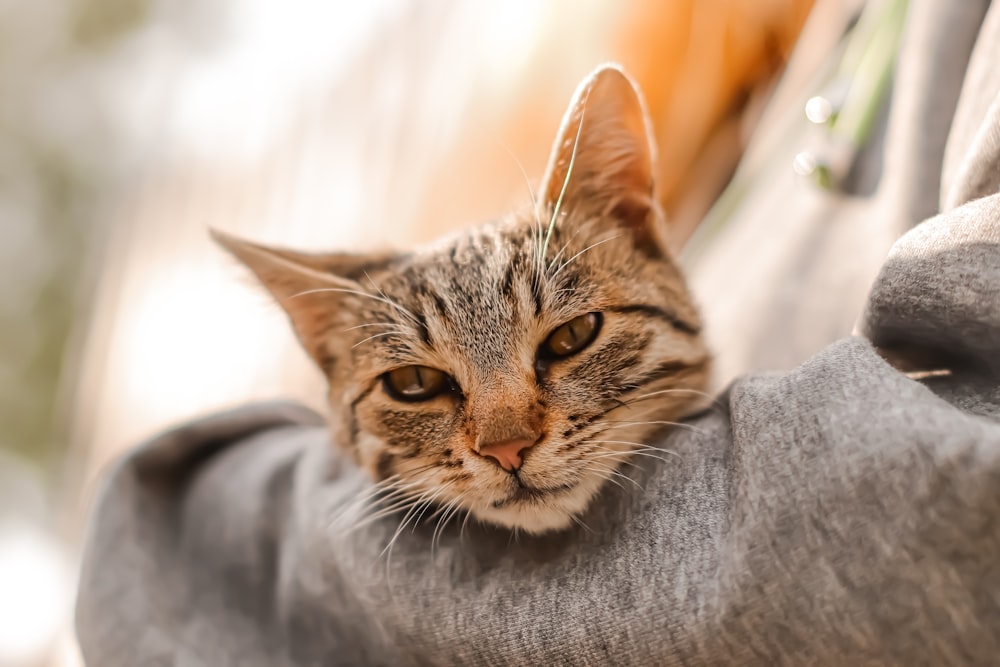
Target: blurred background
x,y
129,127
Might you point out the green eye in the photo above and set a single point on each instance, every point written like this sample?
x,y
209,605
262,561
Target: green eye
x,y
415,383
573,336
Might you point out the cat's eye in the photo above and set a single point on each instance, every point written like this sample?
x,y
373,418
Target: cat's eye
x,y
572,336
416,383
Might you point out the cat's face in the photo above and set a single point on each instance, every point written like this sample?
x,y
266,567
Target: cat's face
x,y
508,370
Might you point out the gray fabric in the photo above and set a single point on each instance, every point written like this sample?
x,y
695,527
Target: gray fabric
x,y
791,271
912,304
837,513
974,140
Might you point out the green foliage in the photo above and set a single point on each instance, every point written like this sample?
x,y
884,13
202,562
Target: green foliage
x,y
56,155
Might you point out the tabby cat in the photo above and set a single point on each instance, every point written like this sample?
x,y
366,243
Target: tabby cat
x,y
508,370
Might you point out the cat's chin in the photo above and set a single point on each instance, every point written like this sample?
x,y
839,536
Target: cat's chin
x,y
541,513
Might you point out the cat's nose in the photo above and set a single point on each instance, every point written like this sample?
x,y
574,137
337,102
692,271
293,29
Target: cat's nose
x,y
509,453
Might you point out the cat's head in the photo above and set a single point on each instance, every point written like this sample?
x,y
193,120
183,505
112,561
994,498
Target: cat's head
x,y
508,369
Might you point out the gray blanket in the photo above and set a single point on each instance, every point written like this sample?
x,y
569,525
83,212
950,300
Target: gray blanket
x,y
839,513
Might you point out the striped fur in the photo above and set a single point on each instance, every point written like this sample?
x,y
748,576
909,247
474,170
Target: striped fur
x,y
479,304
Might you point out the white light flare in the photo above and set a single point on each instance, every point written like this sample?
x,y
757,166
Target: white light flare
x,y
35,594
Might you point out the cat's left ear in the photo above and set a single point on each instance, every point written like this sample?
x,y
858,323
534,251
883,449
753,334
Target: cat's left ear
x,y
318,292
603,157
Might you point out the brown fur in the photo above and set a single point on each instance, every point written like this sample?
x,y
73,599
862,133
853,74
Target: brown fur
x,y
479,304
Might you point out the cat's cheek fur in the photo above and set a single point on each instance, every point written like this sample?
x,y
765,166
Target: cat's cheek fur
x,y
370,454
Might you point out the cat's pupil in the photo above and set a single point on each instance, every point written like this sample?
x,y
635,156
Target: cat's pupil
x,y
415,383
573,336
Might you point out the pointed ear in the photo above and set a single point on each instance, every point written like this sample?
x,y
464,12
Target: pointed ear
x,y
602,159
303,285
352,266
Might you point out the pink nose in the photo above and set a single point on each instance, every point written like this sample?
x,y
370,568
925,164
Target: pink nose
x,y
507,453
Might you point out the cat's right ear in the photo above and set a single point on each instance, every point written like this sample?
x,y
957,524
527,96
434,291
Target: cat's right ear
x,y
304,286
603,157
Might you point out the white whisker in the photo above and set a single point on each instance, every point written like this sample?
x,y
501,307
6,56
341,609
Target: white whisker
x,y
423,502
649,452
655,422
604,473
385,296
604,469
592,245
386,497
370,324
451,510
461,533
395,332
565,186
572,235
527,181
342,290
673,391
578,521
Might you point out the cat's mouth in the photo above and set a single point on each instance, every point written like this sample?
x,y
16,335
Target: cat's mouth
x,y
524,493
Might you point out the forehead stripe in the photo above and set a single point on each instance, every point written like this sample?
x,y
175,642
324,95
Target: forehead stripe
x,y
425,333
656,312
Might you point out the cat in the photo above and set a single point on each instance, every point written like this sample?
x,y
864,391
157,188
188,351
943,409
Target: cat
x,y
506,371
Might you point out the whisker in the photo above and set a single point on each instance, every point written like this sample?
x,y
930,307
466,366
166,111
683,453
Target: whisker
x,y
578,521
413,318
527,181
461,533
572,235
390,502
454,508
370,324
420,515
622,461
425,500
385,497
437,526
344,290
592,245
599,458
639,447
565,185
673,391
604,469
371,516
648,453
663,422
395,332
405,504
366,495
640,411
609,475
444,509
605,425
